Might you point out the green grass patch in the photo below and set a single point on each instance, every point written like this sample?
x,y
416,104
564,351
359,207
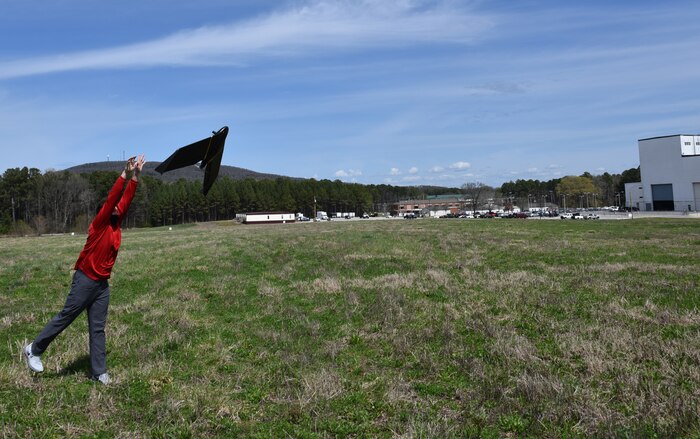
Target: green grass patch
x,y
424,328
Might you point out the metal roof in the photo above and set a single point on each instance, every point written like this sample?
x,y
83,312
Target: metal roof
x,y
664,137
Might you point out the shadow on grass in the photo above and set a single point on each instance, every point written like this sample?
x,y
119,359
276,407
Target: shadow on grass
x,y
80,365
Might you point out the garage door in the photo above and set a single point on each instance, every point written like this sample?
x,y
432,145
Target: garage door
x,y
662,196
696,191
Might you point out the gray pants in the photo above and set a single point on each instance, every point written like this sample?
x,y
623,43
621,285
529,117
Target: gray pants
x,y
85,294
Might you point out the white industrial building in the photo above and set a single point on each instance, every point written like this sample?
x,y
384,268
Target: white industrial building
x,y
634,192
670,173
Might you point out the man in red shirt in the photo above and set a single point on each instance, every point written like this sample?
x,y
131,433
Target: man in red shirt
x,y
90,289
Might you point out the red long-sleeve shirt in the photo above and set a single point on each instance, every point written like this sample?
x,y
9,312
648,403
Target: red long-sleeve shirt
x,y
103,241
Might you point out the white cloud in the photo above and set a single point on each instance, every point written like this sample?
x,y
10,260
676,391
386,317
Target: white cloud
x,y
460,166
532,169
413,170
308,29
394,171
436,169
412,178
348,173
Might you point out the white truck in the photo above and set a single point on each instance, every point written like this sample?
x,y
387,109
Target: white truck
x,y
321,216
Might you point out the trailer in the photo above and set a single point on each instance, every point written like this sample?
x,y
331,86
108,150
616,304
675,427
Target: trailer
x,y
268,218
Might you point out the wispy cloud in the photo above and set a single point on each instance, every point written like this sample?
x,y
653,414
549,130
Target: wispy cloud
x,y
413,170
305,30
394,171
349,173
460,166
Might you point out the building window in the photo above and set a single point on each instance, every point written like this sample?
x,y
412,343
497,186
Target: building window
x,y
688,143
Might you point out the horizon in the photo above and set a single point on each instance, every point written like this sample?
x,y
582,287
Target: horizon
x,y
407,93
153,164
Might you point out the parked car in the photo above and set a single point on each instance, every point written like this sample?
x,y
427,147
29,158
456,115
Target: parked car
x,y
488,215
410,216
592,216
570,215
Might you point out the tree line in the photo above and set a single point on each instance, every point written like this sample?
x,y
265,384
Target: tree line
x,y
586,190
59,202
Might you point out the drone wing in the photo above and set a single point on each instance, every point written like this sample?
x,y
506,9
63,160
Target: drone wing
x,y
185,156
211,170
208,151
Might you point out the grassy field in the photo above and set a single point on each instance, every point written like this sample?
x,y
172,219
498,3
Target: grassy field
x,y
423,328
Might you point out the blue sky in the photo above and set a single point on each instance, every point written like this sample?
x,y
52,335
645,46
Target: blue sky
x,y
393,91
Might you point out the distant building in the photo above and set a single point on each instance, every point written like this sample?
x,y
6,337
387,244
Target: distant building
x,y
441,205
634,195
430,207
670,173
266,217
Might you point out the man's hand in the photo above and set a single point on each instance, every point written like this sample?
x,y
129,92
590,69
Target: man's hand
x,y
128,167
130,164
138,166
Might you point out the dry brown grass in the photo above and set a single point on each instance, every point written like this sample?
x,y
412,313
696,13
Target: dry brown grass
x,y
374,329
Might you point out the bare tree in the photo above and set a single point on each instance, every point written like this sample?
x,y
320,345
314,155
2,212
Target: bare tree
x,y
473,192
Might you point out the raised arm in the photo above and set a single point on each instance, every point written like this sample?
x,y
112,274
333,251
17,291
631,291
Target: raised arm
x,y
128,196
102,217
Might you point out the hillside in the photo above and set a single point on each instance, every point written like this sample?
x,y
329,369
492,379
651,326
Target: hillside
x,y
194,173
189,173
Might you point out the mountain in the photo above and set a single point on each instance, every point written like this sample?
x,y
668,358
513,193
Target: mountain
x,y
194,173
188,173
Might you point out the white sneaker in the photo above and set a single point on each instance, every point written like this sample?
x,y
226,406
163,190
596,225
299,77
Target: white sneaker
x,y
33,361
103,378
